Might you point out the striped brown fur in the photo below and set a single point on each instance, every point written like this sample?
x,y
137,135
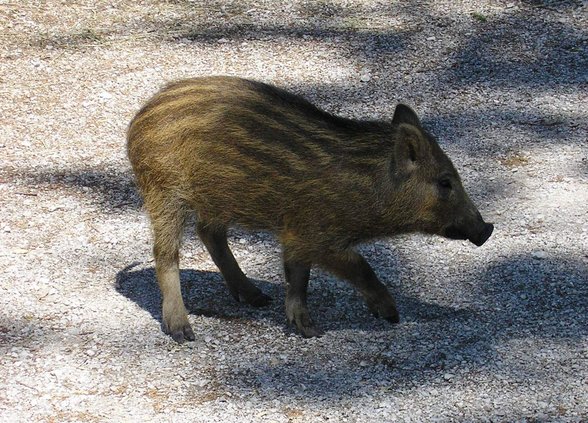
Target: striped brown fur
x,y
240,152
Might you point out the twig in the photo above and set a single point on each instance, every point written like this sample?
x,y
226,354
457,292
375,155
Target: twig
x,y
26,386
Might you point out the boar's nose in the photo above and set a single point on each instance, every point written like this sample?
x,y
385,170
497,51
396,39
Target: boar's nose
x,y
483,236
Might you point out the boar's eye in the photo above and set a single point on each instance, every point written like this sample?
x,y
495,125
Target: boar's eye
x,y
445,183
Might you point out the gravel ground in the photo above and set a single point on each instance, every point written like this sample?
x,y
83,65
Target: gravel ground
x,y
497,333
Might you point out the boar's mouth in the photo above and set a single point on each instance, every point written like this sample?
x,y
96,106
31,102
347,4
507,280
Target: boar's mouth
x,y
478,238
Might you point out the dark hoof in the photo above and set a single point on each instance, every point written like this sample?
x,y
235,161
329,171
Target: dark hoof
x,y
393,319
303,323
385,309
390,315
180,335
310,331
259,300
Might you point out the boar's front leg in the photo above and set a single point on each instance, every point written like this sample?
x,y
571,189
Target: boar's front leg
x,y
297,274
215,241
351,266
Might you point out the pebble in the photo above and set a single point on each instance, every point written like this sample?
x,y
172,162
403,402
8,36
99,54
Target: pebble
x,y
106,95
539,255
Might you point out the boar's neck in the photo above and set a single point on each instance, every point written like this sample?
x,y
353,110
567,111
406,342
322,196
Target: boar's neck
x,y
351,202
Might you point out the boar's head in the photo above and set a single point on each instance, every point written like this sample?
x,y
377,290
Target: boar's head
x,y
428,188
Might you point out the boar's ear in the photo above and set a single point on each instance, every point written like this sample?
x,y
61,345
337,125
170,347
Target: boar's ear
x,y
411,148
404,114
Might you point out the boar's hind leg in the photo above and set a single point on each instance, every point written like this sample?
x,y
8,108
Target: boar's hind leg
x,y
351,266
167,230
215,241
297,275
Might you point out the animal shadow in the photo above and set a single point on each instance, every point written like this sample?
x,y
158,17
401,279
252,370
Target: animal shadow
x,y
204,293
333,303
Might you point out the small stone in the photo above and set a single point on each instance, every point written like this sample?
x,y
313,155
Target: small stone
x,y
105,95
202,383
365,77
90,353
447,376
539,255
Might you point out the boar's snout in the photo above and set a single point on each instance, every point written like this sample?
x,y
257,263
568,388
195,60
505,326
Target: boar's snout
x,y
478,237
482,236
476,231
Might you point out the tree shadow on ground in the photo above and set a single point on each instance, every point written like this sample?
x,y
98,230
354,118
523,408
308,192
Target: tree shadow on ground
x,y
512,48
517,298
557,5
497,52
513,299
547,302
113,190
508,57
